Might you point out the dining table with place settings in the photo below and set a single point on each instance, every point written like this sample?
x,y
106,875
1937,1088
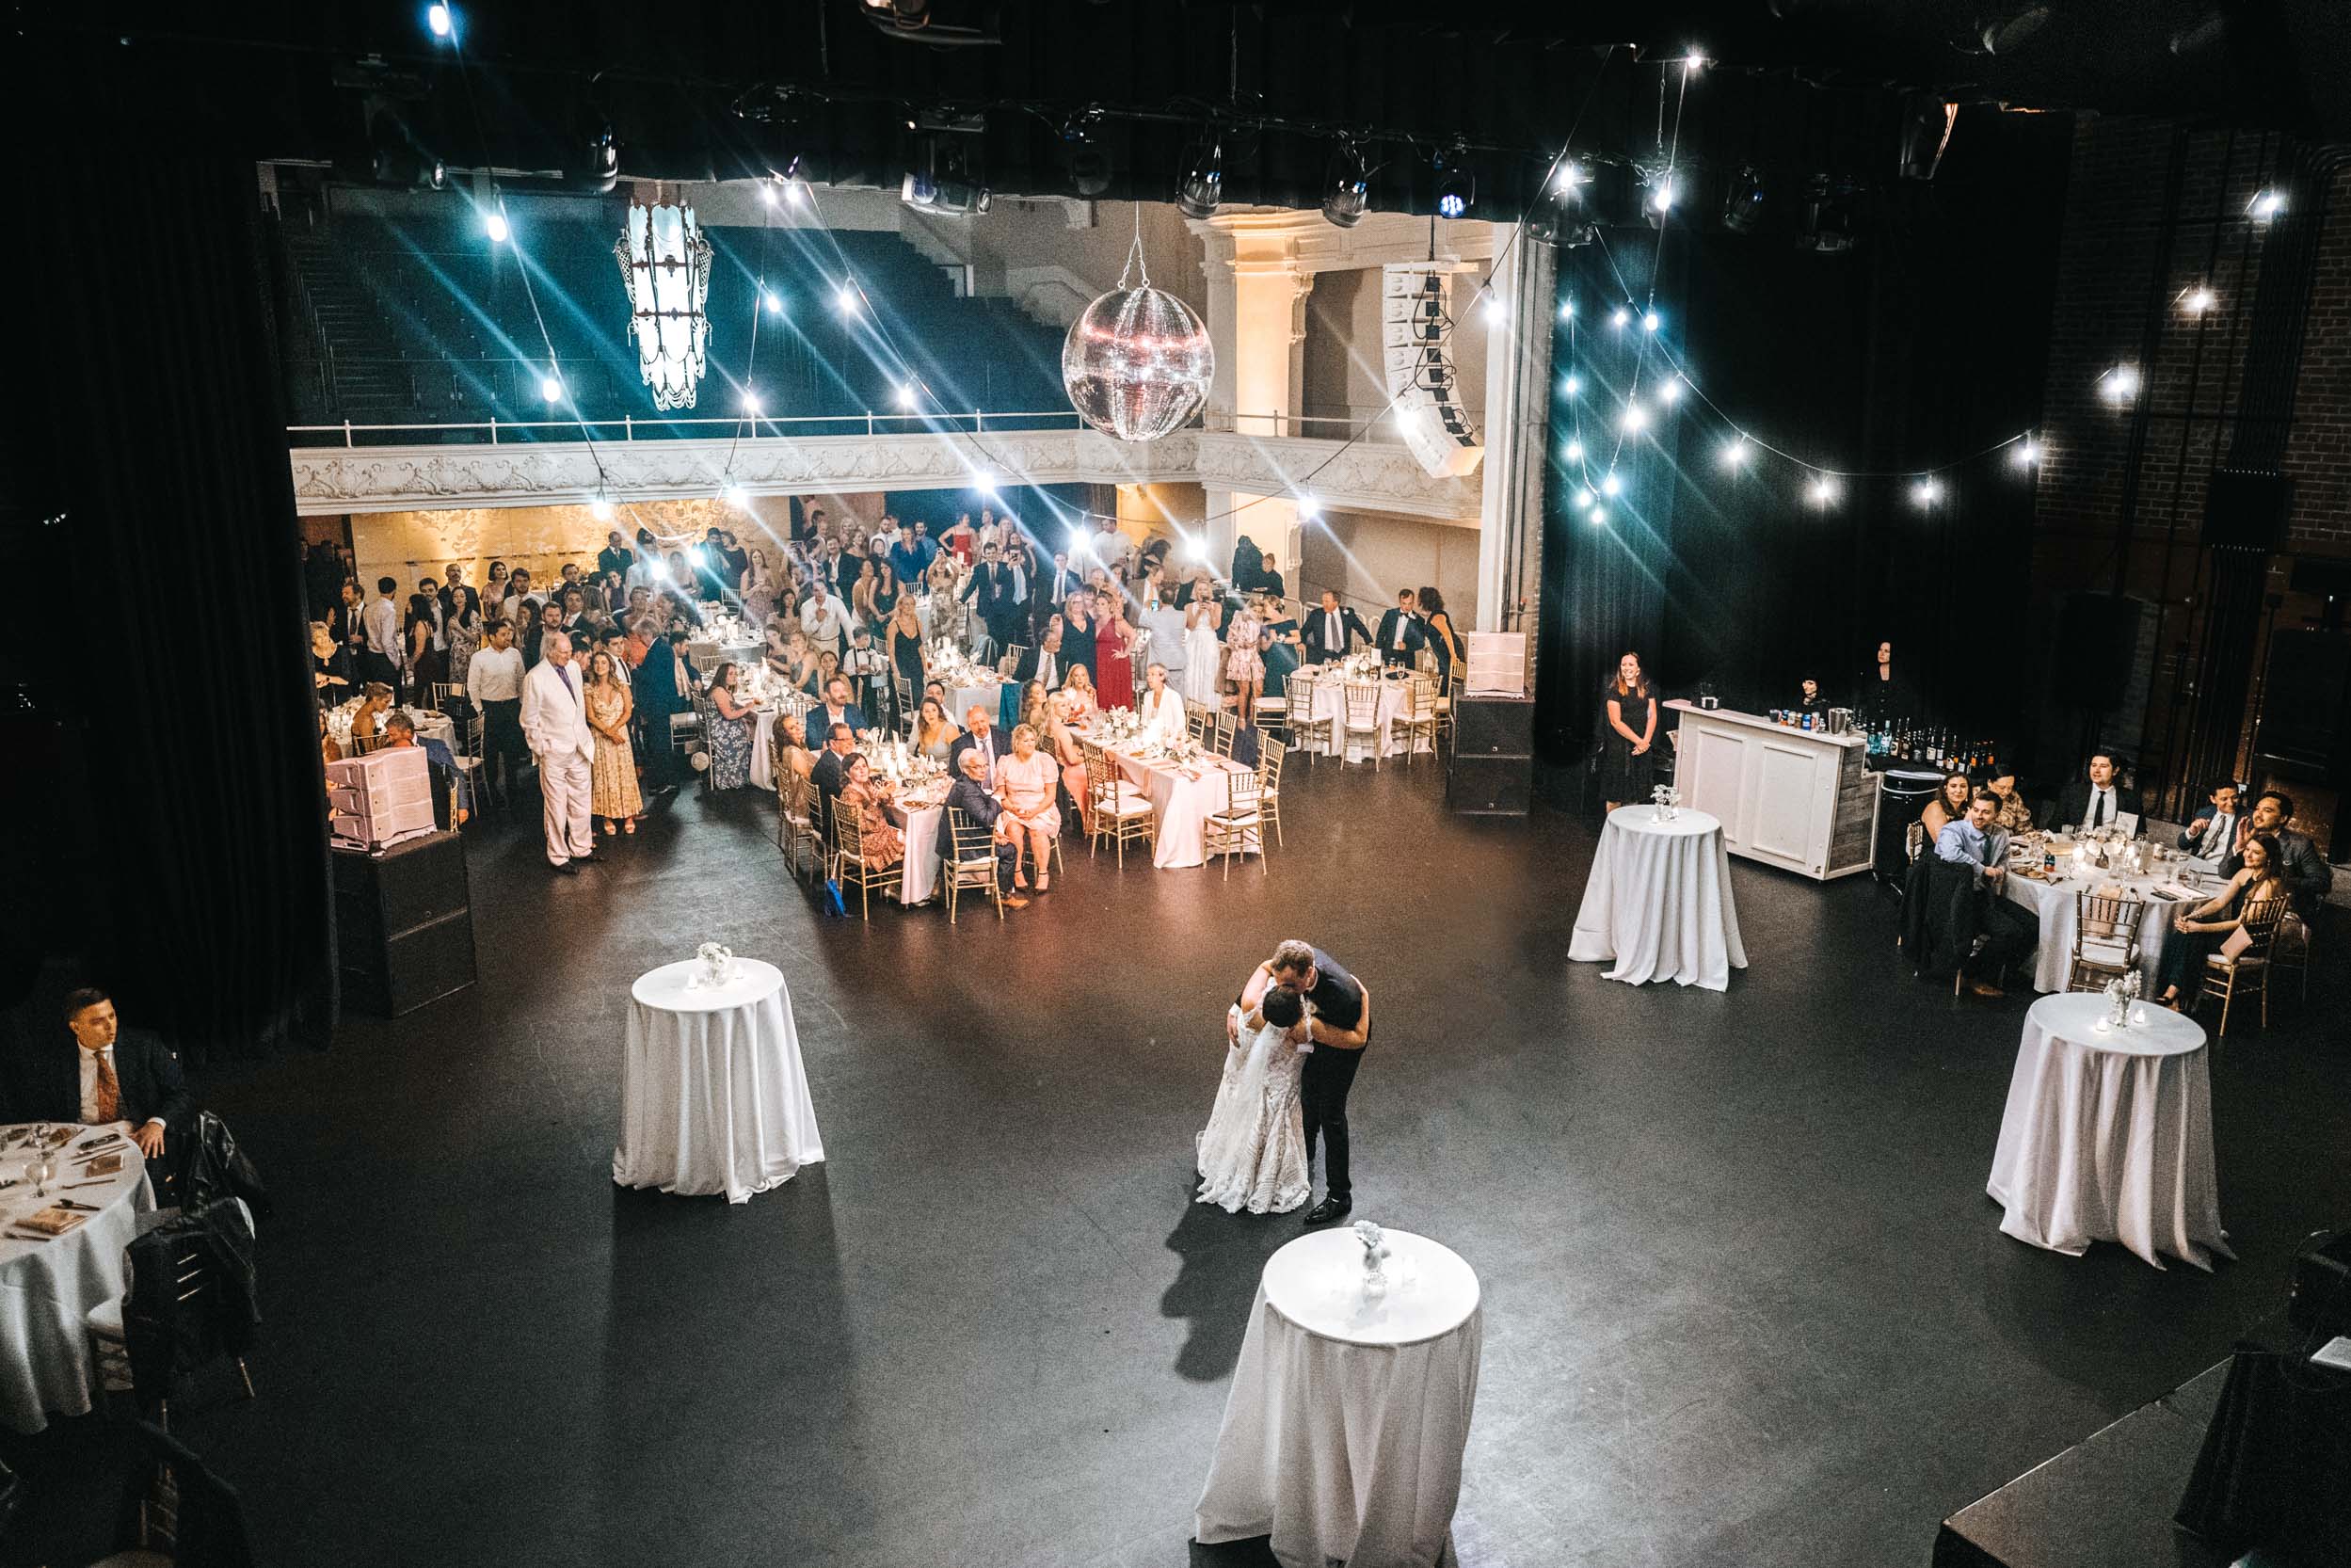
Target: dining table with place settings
x,y
2055,901
431,724
776,698
1392,698
1185,787
1659,900
61,1254
916,805
2107,1134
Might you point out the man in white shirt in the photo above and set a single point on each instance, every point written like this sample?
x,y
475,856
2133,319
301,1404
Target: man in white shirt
x,y
1166,624
824,619
554,721
382,619
493,678
2213,836
2099,800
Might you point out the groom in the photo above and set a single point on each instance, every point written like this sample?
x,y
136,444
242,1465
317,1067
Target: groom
x,y
1339,1027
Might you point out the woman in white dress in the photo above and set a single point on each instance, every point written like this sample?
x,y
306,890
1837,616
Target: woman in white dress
x,y
1203,650
1161,708
1253,1152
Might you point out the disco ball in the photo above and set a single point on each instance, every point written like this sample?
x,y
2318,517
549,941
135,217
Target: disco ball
x,y
1137,363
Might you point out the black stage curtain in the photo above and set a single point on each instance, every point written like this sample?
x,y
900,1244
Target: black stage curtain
x,y
165,689
1926,343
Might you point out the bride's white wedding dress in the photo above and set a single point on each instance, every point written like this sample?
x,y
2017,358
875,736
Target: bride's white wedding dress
x,y
1253,1152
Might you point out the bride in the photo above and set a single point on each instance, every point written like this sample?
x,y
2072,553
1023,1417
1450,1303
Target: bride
x,y
1253,1152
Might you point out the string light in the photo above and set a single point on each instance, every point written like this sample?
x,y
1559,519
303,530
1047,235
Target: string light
x,y
735,496
1597,517
1309,508
1649,322
550,388
1610,484
2028,453
1584,498
750,400
1694,62
1573,385
1574,453
1619,317
1669,392
601,509
1497,313
1734,453
906,397
767,194
1635,417
495,227
1925,492
845,300
1567,309
2198,299
1663,201
774,301
1569,177
436,17
1821,491
2266,204
2119,384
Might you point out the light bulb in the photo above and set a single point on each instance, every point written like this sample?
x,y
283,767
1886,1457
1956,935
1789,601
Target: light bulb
x,y
1496,311
750,402
550,388
1669,392
601,509
1925,492
1663,201
1695,60
1620,316
437,18
1649,322
2028,453
734,495
1574,453
906,397
794,192
495,227
1583,498
2119,384
1610,484
2266,204
1573,385
1569,177
774,301
767,196
1596,517
845,300
1309,506
1734,453
2199,299
1822,490
1635,417
1567,309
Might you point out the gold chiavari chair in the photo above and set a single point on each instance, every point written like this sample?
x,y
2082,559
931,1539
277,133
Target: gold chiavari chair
x,y
2105,938
1419,717
1227,726
2292,949
1010,660
1362,718
1120,812
1306,729
1272,754
1239,828
362,745
853,867
2227,976
1455,675
973,864
796,827
1196,722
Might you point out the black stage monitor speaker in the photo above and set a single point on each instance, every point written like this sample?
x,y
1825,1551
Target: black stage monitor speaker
x,y
1493,725
1493,771
404,928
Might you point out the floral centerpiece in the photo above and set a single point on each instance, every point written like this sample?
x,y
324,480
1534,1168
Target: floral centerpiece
x,y
1375,1255
2122,992
718,967
1668,800
1117,726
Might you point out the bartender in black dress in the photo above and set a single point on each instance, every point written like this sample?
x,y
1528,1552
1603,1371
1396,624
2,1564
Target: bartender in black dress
x,y
1885,696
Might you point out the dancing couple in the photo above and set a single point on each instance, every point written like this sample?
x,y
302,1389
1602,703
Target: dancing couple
x,y
1294,1040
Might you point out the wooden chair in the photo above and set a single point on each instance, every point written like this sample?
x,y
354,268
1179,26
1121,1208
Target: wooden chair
x,y
1010,660
973,865
1305,728
1227,727
2292,948
1362,718
853,867
1419,717
1239,828
1120,811
2247,973
794,828
1272,754
362,745
2105,938
1272,712
902,696
1196,722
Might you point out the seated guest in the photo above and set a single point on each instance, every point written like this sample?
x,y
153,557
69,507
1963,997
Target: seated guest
x,y
125,1080
934,733
1973,843
2305,871
978,736
448,779
2015,817
1400,636
969,794
1061,742
792,755
1028,780
2214,834
1948,805
2099,799
1079,689
868,797
367,721
1161,708
2206,928
830,771
837,707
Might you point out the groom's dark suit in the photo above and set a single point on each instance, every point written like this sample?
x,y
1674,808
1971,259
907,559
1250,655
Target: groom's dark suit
x,y
1330,1072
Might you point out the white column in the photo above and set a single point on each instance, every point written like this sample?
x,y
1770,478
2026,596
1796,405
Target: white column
x,y
1517,418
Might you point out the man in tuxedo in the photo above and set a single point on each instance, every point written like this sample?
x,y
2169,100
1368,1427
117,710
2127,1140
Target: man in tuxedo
x,y
969,794
1339,1027
995,593
838,708
830,773
2215,833
1401,633
979,738
1329,631
1043,661
2308,877
555,722
125,1080
2099,800
1055,586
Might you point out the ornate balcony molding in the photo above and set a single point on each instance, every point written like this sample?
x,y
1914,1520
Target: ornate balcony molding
x,y
1375,476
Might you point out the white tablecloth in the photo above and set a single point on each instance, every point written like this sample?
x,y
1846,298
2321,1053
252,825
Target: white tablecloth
x,y
961,699
2109,1137
918,876
2054,904
714,1098
431,724
1343,1433
1183,802
48,1287
1330,702
1659,900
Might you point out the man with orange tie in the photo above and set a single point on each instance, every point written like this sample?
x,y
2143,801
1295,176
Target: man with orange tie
x,y
130,1081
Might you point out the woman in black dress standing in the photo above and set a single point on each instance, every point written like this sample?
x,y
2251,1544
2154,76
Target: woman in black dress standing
x,y
1625,763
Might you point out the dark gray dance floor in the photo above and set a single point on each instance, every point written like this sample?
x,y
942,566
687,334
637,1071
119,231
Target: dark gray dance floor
x,y
1746,1301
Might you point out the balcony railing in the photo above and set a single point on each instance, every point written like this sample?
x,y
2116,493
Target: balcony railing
x,y
662,428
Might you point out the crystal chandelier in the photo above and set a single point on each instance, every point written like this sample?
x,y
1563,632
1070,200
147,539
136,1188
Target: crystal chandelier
x,y
665,264
1137,362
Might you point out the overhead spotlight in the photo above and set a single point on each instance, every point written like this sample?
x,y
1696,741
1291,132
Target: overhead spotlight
x,y
1926,491
1557,216
2198,298
2266,203
1821,491
1457,186
2008,30
550,388
845,299
1575,452
1928,119
1584,498
1649,322
1734,453
1671,391
1619,317
1573,385
1201,186
750,401
1610,484
774,301
1309,506
437,177
495,227
2026,453
601,170
601,509
934,21
943,182
1824,224
1743,202
1635,417
440,19
1346,185
2119,386
1089,166
906,396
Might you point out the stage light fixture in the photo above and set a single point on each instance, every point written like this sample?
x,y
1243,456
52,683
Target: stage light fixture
x,y
2006,30
936,22
1201,186
1557,217
1825,224
1610,484
495,227
1089,166
1345,186
943,182
1743,202
602,171
438,176
1457,185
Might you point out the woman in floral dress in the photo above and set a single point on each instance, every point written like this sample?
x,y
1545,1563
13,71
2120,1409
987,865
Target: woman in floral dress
x,y
612,778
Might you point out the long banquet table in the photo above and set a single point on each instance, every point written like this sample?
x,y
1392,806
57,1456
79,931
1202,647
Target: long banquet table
x,y
1183,794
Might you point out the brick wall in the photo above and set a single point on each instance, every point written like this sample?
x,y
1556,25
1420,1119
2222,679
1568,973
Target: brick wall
x,y
2125,266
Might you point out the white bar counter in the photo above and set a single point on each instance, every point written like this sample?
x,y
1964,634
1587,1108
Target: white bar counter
x,y
1799,799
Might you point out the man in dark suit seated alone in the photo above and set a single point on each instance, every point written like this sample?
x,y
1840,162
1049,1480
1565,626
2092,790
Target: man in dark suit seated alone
x,y
969,795
123,1079
2097,801
1401,633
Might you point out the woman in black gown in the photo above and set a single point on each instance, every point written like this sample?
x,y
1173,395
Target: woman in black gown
x,y
1631,728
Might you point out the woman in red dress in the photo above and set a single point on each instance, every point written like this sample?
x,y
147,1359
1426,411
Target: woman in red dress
x,y
1113,671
